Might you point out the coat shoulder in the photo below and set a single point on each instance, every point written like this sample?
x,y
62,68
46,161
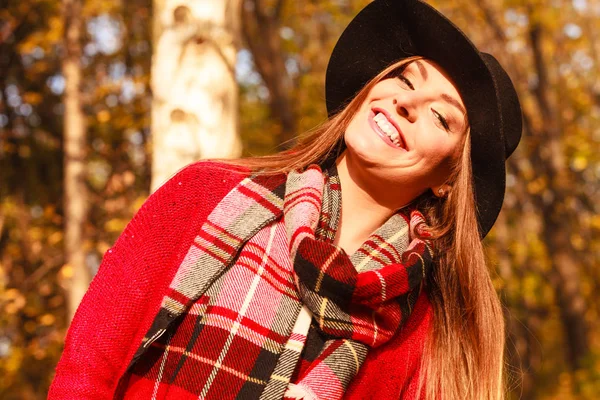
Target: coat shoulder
x,y
206,171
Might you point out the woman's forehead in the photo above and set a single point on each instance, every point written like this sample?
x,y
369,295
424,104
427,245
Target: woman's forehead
x,y
427,68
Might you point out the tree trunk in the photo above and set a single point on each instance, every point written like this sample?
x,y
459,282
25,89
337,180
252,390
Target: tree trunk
x,y
195,104
262,34
75,193
565,273
549,162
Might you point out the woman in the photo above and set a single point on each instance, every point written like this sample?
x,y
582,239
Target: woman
x,y
248,279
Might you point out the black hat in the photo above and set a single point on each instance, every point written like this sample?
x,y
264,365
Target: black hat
x,y
387,31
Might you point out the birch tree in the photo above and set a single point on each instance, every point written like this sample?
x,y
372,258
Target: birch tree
x,y
195,103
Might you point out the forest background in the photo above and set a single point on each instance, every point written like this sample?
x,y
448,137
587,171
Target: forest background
x,y
90,89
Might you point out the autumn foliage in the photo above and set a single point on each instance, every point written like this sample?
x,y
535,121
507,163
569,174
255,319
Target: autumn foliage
x,y
544,249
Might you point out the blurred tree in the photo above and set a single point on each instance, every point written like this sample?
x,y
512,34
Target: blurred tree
x,y
195,105
31,253
75,198
34,274
262,32
116,100
288,43
546,258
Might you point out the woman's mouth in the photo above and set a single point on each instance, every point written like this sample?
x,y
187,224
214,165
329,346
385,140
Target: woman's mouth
x,y
386,130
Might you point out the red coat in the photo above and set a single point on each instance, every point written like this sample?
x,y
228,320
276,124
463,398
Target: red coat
x,y
126,293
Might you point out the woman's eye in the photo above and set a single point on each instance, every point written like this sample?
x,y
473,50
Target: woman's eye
x,y
406,81
442,120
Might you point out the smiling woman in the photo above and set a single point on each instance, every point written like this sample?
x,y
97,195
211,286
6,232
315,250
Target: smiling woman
x,y
349,266
413,111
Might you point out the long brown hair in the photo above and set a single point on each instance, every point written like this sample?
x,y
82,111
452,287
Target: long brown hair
x,y
463,356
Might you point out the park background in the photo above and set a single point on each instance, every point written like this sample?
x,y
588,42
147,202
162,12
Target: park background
x,y
102,100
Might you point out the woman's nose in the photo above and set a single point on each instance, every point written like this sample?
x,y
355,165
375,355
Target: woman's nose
x,y
405,111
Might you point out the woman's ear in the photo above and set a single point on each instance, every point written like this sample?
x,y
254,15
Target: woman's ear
x,y
441,191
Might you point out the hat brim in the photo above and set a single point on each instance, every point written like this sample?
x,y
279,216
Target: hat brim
x,y
385,32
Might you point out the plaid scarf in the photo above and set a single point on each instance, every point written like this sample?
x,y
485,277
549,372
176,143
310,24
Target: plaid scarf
x,y
242,334
360,308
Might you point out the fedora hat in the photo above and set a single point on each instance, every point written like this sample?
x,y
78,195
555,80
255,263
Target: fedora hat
x,y
387,31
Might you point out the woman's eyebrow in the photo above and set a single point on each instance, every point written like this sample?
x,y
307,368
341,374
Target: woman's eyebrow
x,y
422,69
449,99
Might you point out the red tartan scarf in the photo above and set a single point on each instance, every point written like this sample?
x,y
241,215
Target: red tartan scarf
x,y
247,351
359,303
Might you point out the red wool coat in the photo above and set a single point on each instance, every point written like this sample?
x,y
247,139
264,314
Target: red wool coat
x,y
126,294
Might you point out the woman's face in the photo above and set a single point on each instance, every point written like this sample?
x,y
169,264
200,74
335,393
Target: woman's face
x,y
410,129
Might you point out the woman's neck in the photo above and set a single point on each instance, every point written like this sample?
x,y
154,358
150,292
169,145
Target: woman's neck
x,y
363,211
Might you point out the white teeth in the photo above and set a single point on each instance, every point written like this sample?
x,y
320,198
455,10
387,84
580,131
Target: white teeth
x,y
387,128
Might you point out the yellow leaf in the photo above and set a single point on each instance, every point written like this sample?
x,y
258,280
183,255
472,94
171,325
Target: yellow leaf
x,y
35,233
45,289
47,319
103,116
11,294
15,360
580,163
537,186
138,203
55,238
128,178
9,147
11,309
577,241
15,299
102,247
115,225
49,211
66,271
595,222
32,98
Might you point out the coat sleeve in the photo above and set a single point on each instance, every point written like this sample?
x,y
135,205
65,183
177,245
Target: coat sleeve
x,y
126,293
